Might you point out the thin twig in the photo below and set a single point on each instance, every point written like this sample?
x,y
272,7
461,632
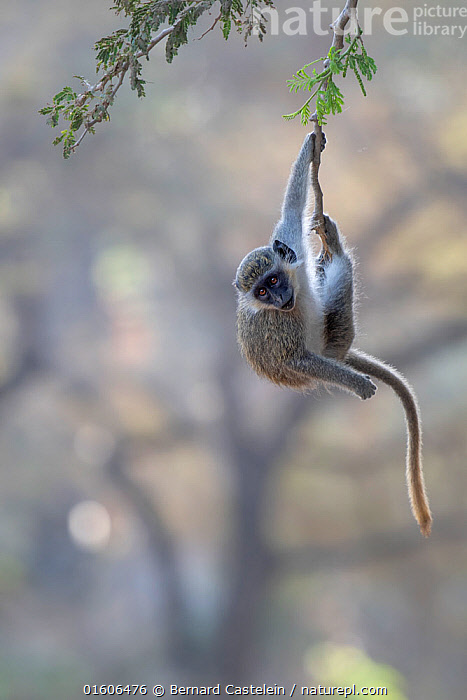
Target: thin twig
x,y
211,27
122,76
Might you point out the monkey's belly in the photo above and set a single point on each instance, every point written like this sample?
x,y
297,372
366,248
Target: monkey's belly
x,y
270,342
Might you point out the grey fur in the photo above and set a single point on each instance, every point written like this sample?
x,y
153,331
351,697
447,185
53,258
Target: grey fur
x,y
306,341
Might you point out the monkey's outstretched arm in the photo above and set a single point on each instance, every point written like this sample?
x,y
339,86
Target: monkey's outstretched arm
x,y
289,229
414,472
323,369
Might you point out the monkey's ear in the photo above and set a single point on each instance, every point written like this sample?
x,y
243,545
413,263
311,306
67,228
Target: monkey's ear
x,y
284,252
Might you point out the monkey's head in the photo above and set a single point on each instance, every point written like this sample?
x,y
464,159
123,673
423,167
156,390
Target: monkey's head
x,y
265,278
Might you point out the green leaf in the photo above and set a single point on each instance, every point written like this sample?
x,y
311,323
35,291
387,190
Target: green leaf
x,y
226,27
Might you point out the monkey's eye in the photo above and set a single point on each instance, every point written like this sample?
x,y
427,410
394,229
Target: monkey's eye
x,y
262,292
273,281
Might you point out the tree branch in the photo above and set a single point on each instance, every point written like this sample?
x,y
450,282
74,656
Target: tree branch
x,y
163,549
165,32
349,11
317,219
121,51
121,70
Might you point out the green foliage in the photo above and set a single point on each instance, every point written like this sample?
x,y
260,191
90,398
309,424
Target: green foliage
x,y
119,54
65,104
151,21
329,98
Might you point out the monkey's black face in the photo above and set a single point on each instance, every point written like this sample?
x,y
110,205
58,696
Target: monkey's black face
x,y
275,289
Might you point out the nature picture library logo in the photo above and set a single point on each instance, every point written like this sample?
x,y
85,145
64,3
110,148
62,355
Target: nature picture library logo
x,y
425,19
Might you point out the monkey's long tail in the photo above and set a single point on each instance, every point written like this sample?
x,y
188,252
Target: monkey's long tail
x,y
414,472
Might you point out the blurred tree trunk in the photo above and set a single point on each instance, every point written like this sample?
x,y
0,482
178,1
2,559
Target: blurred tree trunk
x,y
249,573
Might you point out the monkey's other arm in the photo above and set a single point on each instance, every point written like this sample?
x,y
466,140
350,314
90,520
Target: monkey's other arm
x,y
328,371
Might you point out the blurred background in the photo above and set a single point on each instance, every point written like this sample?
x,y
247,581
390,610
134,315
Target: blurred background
x,y
166,516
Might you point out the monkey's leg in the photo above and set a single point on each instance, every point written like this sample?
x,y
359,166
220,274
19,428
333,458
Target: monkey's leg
x,y
289,228
329,371
335,279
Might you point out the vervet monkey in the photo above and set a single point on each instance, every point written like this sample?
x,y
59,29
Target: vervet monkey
x,y
295,319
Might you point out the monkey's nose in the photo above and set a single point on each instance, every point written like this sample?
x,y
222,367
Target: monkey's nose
x,y
288,306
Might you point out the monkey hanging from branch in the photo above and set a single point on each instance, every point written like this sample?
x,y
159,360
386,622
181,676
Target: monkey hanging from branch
x,y
295,313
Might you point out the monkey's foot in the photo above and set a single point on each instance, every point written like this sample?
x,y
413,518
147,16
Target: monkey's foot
x,y
311,140
326,253
333,240
312,137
